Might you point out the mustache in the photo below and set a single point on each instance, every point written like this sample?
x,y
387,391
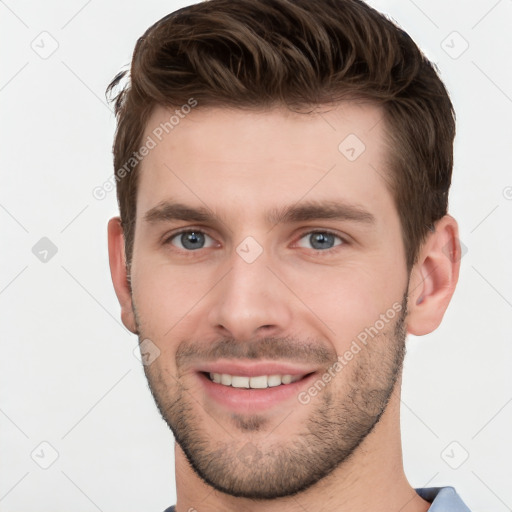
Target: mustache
x,y
269,348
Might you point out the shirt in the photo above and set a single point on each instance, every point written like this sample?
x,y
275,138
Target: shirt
x,y
443,499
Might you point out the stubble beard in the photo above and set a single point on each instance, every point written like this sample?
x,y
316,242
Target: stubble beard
x,y
336,425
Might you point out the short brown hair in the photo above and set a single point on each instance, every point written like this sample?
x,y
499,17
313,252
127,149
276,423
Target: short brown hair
x,y
301,53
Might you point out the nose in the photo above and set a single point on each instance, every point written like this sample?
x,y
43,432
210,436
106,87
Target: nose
x,y
250,302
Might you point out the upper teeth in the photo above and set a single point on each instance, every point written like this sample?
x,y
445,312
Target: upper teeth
x,y
259,382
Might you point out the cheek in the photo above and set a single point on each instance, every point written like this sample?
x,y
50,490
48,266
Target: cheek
x,y
351,300
166,297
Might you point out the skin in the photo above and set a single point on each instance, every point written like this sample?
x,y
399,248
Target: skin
x,y
240,165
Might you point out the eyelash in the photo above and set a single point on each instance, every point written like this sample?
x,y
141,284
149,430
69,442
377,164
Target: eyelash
x,y
326,252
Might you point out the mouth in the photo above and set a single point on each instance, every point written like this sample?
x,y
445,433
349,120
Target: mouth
x,y
250,388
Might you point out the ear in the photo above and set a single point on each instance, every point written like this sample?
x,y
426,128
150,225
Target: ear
x,y
116,256
434,277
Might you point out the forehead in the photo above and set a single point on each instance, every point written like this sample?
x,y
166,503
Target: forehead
x,y
252,161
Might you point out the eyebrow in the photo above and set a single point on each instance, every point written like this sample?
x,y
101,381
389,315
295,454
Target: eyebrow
x,y
305,211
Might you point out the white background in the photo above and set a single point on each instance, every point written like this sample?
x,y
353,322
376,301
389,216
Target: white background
x,y
68,376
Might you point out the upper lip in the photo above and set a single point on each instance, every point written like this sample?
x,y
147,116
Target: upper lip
x,y
252,369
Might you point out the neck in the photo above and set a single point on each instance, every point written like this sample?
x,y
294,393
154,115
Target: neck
x,y
371,479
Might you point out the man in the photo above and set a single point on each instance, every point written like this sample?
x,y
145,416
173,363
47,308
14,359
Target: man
x,y
282,174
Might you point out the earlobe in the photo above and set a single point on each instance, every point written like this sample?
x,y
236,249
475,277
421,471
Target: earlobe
x,y
434,277
117,261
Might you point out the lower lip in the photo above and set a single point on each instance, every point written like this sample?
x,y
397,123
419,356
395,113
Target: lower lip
x,y
253,400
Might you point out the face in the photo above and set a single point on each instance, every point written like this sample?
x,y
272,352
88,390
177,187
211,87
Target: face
x,y
269,275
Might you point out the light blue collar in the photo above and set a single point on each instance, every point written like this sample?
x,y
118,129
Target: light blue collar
x,y
443,499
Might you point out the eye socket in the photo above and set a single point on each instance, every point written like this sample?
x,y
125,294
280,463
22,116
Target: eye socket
x,y
191,240
320,240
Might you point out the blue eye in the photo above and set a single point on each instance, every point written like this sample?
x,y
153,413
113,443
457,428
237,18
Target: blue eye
x,y
319,240
190,240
